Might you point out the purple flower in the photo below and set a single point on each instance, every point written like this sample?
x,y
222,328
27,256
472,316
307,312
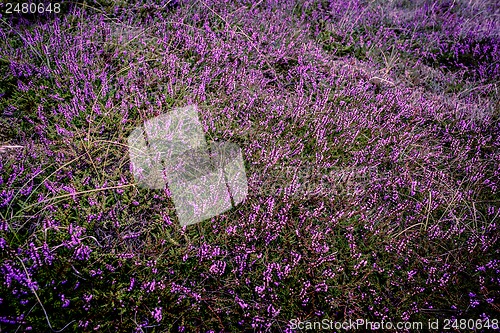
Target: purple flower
x,y
82,252
157,314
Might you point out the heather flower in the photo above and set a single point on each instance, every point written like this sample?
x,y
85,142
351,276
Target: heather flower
x,y
157,315
82,252
65,301
218,268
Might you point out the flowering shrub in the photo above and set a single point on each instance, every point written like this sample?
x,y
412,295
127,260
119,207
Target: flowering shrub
x,y
370,132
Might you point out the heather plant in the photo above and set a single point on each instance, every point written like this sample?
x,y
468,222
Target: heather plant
x,y
370,136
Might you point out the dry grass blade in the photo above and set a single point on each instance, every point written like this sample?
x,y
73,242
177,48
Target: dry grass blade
x,y
7,147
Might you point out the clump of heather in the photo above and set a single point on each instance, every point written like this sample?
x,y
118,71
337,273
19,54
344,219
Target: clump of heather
x,y
371,139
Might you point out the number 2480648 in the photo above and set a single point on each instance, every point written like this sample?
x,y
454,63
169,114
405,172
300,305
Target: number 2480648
x,y
32,8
